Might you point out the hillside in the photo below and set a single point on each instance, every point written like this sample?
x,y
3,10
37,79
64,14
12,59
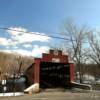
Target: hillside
x,y
11,63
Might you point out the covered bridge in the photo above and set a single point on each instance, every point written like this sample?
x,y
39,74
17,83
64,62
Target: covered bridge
x,y
53,70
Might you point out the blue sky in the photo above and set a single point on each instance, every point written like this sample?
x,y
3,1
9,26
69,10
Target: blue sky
x,y
44,17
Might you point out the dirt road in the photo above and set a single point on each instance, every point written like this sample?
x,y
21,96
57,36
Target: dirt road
x,y
57,96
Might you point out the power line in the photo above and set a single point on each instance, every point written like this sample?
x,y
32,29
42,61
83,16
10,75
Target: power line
x,y
5,28
51,36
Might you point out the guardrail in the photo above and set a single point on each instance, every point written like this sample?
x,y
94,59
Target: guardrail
x,y
81,86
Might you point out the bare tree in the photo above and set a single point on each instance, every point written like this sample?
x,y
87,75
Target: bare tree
x,y
75,43
13,64
94,41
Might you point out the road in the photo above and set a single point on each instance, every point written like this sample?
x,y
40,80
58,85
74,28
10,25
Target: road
x,y
57,96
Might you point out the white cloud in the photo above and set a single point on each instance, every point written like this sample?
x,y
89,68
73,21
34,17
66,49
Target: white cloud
x,y
15,47
4,41
21,37
16,30
38,50
27,45
23,52
7,42
30,38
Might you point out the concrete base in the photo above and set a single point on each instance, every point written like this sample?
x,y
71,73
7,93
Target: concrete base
x,y
32,89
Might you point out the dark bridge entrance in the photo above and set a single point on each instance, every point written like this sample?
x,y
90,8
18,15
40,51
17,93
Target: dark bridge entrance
x,y
54,75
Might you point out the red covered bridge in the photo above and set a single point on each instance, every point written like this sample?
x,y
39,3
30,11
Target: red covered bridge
x,y
52,70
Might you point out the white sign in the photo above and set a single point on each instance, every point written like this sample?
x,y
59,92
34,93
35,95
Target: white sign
x,y
5,88
55,60
3,82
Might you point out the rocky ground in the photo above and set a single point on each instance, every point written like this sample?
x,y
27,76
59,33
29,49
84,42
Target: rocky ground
x,y
58,95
